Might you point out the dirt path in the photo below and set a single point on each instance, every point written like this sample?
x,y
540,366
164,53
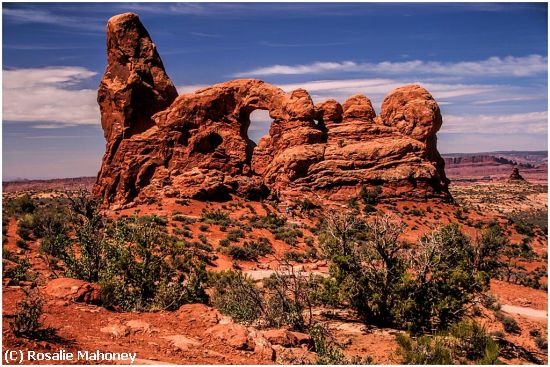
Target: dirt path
x,y
525,311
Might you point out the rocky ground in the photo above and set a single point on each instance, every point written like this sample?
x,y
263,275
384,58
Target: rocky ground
x,y
199,334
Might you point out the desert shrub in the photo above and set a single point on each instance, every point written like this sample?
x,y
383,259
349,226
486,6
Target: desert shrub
x,y
87,262
508,323
446,280
326,292
18,206
224,242
295,256
237,252
488,247
260,247
235,235
372,266
328,352
183,202
308,240
369,196
305,204
182,218
473,343
524,228
55,245
203,238
369,209
216,216
423,350
541,343
144,269
288,234
27,321
465,342
204,227
25,226
235,294
352,204
269,221
22,244
50,221
160,221
289,298
18,270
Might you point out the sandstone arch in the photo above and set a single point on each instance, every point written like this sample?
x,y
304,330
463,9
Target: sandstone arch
x,y
196,144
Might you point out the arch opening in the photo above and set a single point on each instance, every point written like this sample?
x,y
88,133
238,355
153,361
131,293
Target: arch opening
x,y
255,124
259,125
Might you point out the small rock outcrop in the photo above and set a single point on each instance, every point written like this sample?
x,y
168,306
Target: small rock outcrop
x,y
515,176
196,145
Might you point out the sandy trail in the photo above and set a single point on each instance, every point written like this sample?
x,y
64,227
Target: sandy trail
x,y
525,311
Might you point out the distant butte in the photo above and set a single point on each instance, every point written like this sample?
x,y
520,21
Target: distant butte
x,y
515,176
196,145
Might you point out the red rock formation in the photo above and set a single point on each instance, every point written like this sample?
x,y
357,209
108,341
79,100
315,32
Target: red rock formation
x,y
196,145
515,176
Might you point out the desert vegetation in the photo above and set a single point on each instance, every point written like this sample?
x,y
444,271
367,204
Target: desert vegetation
x,y
429,290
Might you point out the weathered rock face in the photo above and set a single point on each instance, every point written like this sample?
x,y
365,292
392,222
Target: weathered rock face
x,y
196,145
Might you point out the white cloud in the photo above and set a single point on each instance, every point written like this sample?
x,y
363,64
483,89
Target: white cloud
x,y
192,88
518,123
51,18
49,95
377,88
493,66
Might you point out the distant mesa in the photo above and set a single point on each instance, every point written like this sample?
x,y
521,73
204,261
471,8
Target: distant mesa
x,y
196,145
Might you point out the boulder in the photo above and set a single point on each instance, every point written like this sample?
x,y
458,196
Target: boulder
x,y
234,335
286,338
74,290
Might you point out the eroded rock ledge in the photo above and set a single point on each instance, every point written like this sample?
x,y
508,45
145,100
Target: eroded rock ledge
x,y
196,145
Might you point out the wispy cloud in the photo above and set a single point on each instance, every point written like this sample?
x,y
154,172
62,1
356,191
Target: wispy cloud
x,y
517,123
207,35
49,95
20,15
493,66
377,88
300,44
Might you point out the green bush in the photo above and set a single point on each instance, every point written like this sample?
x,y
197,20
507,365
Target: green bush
x,y
217,216
18,270
423,350
328,352
235,235
465,342
235,294
508,323
295,256
524,229
182,218
27,322
541,343
422,288
19,206
25,226
288,234
491,243
370,197
143,269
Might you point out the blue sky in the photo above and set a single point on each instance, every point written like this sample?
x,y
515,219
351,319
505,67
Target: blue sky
x,y
485,63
